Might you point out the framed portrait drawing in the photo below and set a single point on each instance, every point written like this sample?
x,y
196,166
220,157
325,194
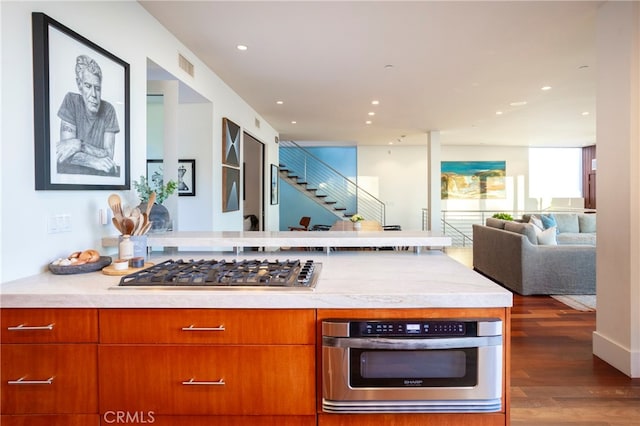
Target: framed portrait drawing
x,y
81,111
186,175
275,190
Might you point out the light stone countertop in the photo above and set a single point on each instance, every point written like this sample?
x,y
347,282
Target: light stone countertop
x,y
348,279
324,239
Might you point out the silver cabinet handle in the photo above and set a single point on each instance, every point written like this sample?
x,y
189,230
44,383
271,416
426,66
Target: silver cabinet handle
x,y
22,381
205,383
23,327
194,328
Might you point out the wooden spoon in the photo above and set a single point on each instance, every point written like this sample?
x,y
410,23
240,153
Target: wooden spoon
x,y
151,202
136,216
128,225
116,223
115,203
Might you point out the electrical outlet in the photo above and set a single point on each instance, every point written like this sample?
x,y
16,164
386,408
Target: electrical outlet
x,y
59,223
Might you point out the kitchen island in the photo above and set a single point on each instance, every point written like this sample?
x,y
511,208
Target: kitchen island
x,y
178,357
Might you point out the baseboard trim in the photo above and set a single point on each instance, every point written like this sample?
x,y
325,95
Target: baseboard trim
x,y
619,357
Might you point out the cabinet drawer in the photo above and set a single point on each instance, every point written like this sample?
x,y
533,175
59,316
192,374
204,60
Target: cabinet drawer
x,y
51,420
108,420
203,380
207,326
49,325
42,379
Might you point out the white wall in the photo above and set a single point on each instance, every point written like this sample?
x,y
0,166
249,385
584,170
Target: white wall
x,y
197,213
401,173
517,170
402,181
617,336
126,30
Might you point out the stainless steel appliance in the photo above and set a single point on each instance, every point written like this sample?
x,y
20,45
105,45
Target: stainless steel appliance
x,y
425,365
221,274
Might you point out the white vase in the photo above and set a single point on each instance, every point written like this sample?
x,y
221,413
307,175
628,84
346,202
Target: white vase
x,y
357,226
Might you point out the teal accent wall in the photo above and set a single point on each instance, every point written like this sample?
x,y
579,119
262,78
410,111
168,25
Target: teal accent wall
x,y
294,205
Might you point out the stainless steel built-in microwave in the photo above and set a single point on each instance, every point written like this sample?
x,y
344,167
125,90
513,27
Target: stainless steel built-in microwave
x,y
425,365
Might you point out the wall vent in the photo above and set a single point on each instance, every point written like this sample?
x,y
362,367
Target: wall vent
x,y
257,123
185,65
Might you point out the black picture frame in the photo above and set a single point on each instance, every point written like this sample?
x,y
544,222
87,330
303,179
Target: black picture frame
x,y
187,178
231,143
186,182
87,165
275,185
230,189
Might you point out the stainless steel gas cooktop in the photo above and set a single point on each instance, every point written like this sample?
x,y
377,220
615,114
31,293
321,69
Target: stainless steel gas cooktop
x,y
226,275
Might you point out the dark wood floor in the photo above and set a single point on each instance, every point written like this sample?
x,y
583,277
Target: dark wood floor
x,y
555,378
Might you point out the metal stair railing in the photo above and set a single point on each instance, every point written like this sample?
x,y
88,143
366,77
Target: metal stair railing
x,y
329,188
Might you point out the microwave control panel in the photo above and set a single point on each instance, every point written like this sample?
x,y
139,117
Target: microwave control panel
x,y
412,328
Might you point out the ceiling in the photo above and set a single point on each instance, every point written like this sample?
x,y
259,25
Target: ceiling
x,y
453,67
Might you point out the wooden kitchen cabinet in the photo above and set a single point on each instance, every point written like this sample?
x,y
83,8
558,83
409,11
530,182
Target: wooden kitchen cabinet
x,y
30,325
49,366
52,420
232,421
216,366
249,380
208,326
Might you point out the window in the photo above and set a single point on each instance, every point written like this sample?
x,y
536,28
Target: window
x,y
555,172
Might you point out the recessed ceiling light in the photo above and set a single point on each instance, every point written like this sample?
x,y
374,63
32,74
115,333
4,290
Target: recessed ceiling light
x,y
241,47
585,113
518,103
294,122
371,113
388,67
390,142
498,112
375,102
368,122
279,102
545,88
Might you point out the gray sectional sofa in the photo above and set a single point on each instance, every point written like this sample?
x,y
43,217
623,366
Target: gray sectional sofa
x,y
529,260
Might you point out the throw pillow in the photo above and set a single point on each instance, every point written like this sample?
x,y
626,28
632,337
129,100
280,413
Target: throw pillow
x,y
548,221
548,237
567,222
587,222
537,222
525,229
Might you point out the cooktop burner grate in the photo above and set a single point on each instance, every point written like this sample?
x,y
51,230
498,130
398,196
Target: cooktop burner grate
x,y
223,274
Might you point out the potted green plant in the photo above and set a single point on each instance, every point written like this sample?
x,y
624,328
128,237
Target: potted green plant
x,y
503,216
159,214
356,219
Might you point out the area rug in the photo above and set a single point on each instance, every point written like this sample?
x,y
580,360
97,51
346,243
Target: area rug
x,y
581,302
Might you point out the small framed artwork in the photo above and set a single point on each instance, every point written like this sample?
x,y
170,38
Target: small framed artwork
x,y
275,190
230,189
81,111
187,178
186,175
230,143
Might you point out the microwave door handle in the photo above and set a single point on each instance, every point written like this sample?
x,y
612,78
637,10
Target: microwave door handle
x,y
412,344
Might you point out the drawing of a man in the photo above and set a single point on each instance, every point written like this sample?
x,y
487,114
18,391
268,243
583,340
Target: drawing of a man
x,y
88,127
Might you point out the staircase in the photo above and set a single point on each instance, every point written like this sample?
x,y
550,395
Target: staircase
x,y
325,186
